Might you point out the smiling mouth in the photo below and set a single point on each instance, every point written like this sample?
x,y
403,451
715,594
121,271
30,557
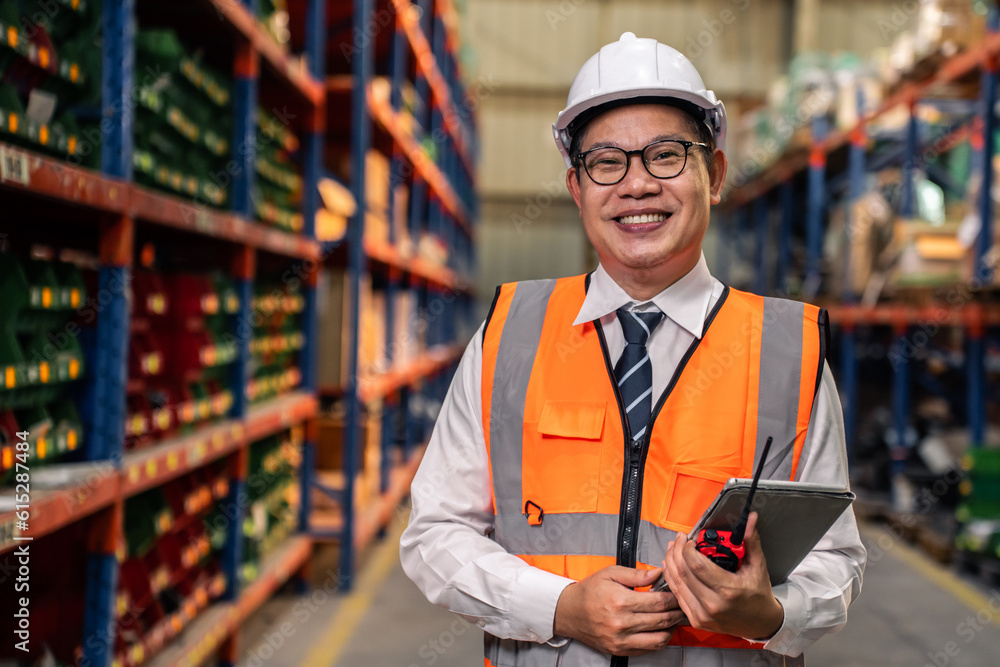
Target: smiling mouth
x,y
646,218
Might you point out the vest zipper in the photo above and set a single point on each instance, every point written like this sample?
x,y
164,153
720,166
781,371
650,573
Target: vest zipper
x,y
630,512
627,475
632,502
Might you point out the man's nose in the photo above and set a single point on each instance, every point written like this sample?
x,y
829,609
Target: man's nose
x,y
638,181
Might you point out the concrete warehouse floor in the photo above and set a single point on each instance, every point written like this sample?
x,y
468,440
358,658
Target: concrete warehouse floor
x,y
912,612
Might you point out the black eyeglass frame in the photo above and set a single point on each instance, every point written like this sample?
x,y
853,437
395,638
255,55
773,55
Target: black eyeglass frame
x,y
641,153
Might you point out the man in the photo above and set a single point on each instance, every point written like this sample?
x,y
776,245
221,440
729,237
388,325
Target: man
x,y
593,419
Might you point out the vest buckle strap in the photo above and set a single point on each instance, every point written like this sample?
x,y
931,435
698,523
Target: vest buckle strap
x,y
534,518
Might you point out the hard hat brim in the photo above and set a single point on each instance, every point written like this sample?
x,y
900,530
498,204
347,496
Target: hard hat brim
x,y
592,106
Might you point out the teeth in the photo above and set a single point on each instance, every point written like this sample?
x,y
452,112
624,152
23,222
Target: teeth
x,y
639,219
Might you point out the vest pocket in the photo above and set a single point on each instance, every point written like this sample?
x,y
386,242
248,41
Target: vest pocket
x,y
573,419
690,491
562,457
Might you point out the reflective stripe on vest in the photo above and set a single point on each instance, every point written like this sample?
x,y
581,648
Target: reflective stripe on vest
x,y
578,534
509,387
555,435
509,653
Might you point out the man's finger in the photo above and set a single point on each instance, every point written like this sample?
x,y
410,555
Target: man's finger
x,y
704,572
633,578
751,532
645,642
671,573
645,602
755,551
691,608
656,622
685,584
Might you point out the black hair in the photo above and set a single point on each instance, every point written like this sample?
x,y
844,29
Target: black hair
x,y
694,115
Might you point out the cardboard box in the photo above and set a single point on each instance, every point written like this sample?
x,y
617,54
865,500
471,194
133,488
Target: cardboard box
x,y
947,26
376,329
331,299
376,227
330,441
334,315
338,206
371,329
400,215
405,334
871,231
432,249
329,226
377,182
929,255
371,454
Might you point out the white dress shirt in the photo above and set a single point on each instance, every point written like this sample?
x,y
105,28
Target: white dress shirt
x,y
445,549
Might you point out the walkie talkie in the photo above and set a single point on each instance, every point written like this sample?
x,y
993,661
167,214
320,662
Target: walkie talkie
x,y
725,548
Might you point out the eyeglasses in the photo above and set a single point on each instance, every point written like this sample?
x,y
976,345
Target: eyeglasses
x,y
607,165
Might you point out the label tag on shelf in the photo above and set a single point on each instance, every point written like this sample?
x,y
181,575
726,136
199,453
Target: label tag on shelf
x,y
199,452
41,106
202,221
14,166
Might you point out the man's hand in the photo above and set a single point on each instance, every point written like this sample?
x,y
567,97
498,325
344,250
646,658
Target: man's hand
x,y
603,612
735,603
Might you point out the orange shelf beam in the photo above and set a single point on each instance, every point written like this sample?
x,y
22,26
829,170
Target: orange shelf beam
x,y
287,67
164,209
939,314
428,66
203,637
373,387
279,414
146,468
51,510
165,461
387,118
57,180
439,275
449,15
165,630
953,69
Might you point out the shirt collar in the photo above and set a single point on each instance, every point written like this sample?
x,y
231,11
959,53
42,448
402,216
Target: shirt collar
x,y
686,302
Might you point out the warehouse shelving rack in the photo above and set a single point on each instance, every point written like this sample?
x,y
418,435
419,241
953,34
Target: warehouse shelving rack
x,y
125,209
846,156
419,46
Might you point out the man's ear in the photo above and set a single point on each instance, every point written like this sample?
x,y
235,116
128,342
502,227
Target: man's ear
x,y
717,175
573,185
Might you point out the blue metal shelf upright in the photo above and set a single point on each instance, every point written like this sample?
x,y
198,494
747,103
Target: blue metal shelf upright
x,y
428,139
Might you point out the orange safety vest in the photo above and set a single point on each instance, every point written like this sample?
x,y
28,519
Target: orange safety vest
x,y
572,494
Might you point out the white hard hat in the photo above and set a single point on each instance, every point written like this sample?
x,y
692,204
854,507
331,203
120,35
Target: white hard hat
x,y
634,67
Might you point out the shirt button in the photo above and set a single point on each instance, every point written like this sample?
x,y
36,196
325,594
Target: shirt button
x,y
532,636
481,623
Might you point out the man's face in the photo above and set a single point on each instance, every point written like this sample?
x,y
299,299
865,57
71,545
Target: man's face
x,y
668,245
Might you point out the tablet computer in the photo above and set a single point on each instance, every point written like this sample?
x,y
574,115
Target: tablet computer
x,y
792,517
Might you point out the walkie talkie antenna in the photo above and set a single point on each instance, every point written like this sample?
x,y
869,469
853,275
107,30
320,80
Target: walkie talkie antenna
x,y
741,526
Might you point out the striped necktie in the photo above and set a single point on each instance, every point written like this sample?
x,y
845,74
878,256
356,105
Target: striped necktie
x,y
634,369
